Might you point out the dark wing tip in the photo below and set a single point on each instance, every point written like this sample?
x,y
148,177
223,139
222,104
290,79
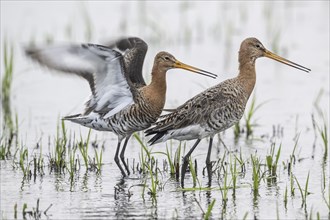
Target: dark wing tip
x,y
71,117
131,42
150,131
156,137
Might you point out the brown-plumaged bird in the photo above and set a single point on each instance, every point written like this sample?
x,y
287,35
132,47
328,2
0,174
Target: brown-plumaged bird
x,y
120,102
217,108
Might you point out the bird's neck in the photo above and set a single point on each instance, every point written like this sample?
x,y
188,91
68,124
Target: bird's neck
x,y
158,80
247,75
155,92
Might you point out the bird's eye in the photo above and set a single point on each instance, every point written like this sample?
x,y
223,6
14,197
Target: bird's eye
x,y
167,58
258,46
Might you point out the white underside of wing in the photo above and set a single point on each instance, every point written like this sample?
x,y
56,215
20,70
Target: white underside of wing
x,y
123,104
113,91
96,63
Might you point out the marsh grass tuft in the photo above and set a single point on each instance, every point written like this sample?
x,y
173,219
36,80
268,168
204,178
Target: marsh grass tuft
x,y
256,174
144,159
323,130
303,192
83,148
35,213
24,163
174,163
153,184
73,163
9,129
272,162
57,159
98,157
250,122
8,56
193,172
234,174
241,162
293,156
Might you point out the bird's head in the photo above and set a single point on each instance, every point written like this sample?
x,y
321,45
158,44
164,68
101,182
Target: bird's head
x,y
252,48
166,61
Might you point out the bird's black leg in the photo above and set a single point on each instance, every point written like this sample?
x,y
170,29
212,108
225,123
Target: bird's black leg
x,y
186,161
122,154
208,161
117,159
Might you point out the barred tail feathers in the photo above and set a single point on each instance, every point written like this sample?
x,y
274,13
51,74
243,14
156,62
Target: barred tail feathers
x,y
93,121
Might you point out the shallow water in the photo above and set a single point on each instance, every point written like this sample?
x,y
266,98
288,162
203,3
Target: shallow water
x,y
206,35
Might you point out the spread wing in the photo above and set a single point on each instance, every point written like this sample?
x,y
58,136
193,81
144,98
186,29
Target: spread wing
x,y
133,50
101,66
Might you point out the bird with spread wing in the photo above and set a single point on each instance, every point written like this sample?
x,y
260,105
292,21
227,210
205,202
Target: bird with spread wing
x,y
120,102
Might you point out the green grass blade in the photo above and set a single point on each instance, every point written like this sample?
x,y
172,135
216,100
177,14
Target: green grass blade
x,y
209,210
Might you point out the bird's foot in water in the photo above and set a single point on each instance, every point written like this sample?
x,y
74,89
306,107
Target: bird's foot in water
x,y
184,170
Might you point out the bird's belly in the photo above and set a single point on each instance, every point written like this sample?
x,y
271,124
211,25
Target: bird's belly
x,y
129,121
189,133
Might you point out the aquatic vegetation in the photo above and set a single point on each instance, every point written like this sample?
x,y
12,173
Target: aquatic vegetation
x,y
154,182
326,200
256,173
285,196
209,210
249,121
193,171
272,161
234,174
241,161
292,160
35,213
303,192
83,148
143,158
7,79
174,163
245,215
323,130
225,187
38,164
98,157
57,160
24,162
9,127
73,163
292,184
237,130
4,148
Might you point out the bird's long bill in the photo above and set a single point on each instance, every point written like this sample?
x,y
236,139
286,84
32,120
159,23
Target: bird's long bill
x,y
180,65
285,61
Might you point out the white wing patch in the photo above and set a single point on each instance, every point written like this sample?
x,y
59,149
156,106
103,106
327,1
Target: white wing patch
x,y
101,66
